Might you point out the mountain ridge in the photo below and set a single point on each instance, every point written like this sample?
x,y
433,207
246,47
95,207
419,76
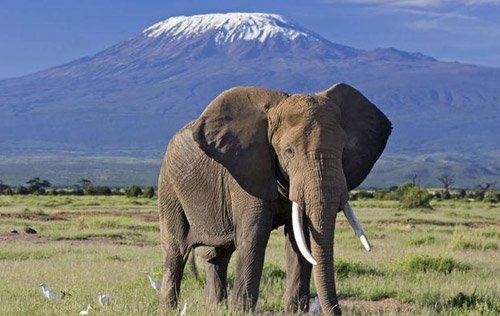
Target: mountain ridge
x,y
138,92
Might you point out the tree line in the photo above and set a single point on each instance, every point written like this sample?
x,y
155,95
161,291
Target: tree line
x,y
38,186
409,194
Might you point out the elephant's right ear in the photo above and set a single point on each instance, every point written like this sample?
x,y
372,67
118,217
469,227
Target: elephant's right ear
x,y
233,130
367,130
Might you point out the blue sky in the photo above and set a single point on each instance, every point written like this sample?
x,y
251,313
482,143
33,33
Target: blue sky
x,y
39,34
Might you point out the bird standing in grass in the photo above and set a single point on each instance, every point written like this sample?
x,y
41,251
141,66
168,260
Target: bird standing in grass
x,y
155,284
104,299
48,293
86,311
184,309
315,307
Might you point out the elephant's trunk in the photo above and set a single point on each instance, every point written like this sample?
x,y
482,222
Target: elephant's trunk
x,y
320,192
321,226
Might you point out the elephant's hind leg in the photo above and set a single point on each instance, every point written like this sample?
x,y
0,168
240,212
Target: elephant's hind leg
x,y
216,270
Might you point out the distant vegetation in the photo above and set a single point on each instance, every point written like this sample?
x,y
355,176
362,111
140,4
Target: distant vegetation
x,y
38,186
409,195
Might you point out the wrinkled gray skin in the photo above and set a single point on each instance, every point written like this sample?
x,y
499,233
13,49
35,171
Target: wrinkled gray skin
x,y
228,179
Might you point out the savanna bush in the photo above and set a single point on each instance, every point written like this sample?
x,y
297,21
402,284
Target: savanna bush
x,y
410,196
475,302
427,263
421,241
148,192
467,241
273,272
133,191
345,268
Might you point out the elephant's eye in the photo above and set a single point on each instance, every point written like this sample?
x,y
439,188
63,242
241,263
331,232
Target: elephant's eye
x,y
289,152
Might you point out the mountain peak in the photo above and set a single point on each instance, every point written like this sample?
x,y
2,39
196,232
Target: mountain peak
x,y
228,27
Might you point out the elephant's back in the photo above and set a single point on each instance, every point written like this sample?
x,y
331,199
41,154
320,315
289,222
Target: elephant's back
x,y
200,184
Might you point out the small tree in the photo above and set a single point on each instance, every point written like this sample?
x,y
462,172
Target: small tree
x,y
447,180
149,192
4,188
410,196
22,190
102,190
133,191
414,177
415,198
37,185
483,188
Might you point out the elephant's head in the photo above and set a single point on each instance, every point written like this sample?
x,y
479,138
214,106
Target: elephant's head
x,y
320,146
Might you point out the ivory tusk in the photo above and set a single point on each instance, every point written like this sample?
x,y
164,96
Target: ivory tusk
x,y
298,233
351,218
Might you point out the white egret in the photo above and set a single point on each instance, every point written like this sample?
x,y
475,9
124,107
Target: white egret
x,y
86,312
315,307
155,284
104,299
47,292
184,309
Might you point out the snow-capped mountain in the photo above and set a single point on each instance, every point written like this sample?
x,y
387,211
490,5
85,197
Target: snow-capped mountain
x,y
228,27
136,93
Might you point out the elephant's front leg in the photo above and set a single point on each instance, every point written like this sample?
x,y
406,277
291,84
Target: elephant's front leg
x,y
252,234
298,273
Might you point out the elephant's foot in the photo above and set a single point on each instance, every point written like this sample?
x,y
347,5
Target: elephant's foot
x,y
295,304
169,293
175,258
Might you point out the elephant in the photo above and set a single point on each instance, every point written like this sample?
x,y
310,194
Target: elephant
x,y
257,159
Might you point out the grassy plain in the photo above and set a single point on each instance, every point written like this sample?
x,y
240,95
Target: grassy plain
x,y
425,262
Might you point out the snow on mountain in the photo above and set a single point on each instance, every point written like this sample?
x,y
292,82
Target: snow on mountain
x,y
228,27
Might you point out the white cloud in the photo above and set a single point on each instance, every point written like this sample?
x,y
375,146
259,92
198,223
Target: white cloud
x,y
444,15
419,3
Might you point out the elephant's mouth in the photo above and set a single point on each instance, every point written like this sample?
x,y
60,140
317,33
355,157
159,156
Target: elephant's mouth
x,y
298,232
297,220
282,183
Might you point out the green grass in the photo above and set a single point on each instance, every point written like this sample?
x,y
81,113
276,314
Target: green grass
x,y
438,263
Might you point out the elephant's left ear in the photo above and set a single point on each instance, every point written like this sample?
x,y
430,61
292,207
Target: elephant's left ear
x,y
233,130
367,130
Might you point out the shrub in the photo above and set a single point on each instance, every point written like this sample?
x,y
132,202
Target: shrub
x,y
425,263
273,272
133,191
466,241
491,197
8,191
102,190
52,192
474,302
420,241
149,192
344,269
365,195
386,195
413,197
22,190
89,190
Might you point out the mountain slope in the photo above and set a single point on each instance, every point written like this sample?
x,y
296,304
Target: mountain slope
x,y
136,93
